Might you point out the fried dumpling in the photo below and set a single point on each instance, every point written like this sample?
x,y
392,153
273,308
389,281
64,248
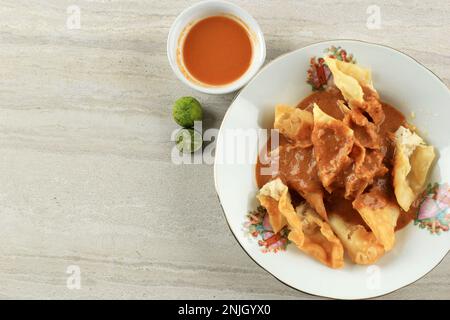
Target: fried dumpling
x,y
278,191
360,244
362,75
365,131
294,222
412,161
269,196
349,86
367,165
294,123
298,170
315,199
333,142
355,182
307,230
355,84
318,239
380,214
371,106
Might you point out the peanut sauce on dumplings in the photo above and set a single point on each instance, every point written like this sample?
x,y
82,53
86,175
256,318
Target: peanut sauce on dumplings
x,y
298,170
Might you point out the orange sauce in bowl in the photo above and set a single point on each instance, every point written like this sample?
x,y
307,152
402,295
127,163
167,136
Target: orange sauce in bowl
x,y
217,50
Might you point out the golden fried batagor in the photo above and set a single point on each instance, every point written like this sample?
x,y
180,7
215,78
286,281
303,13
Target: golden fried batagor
x,y
319,239
294,123
361,245
360,74
349,86
310,233
269,197
379,214
412,161
333,142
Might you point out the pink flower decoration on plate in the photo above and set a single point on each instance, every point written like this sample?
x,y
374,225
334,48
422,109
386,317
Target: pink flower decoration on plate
x,y
429,208
434,210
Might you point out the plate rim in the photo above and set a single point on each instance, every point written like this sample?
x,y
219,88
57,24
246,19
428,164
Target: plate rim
x,y
220,133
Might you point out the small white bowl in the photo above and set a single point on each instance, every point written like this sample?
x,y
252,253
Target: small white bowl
x,y
210,8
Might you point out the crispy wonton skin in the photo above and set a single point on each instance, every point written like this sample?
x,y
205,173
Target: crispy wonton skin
x,y
308,231
269,197
355,84
319,240
361,245
333,142
365,131
380,214
362,75
298,170
371,106
412,162
294,123
367,165
349,86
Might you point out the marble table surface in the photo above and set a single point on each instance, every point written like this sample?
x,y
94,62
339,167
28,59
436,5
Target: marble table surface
x,y
92,206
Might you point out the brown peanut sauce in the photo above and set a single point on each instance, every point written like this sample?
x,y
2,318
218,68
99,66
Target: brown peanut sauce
x,y
335,202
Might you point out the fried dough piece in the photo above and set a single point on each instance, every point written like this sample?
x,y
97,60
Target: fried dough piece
x,y
362,75
269,197
333,142
319,240
371,106
308,231
364,130
367,165
315,200
361,245
294,223
294,123
349,86
412,161
355,84
298,170
380,214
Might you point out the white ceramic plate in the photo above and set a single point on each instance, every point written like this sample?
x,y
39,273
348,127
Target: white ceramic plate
x,y
400,81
